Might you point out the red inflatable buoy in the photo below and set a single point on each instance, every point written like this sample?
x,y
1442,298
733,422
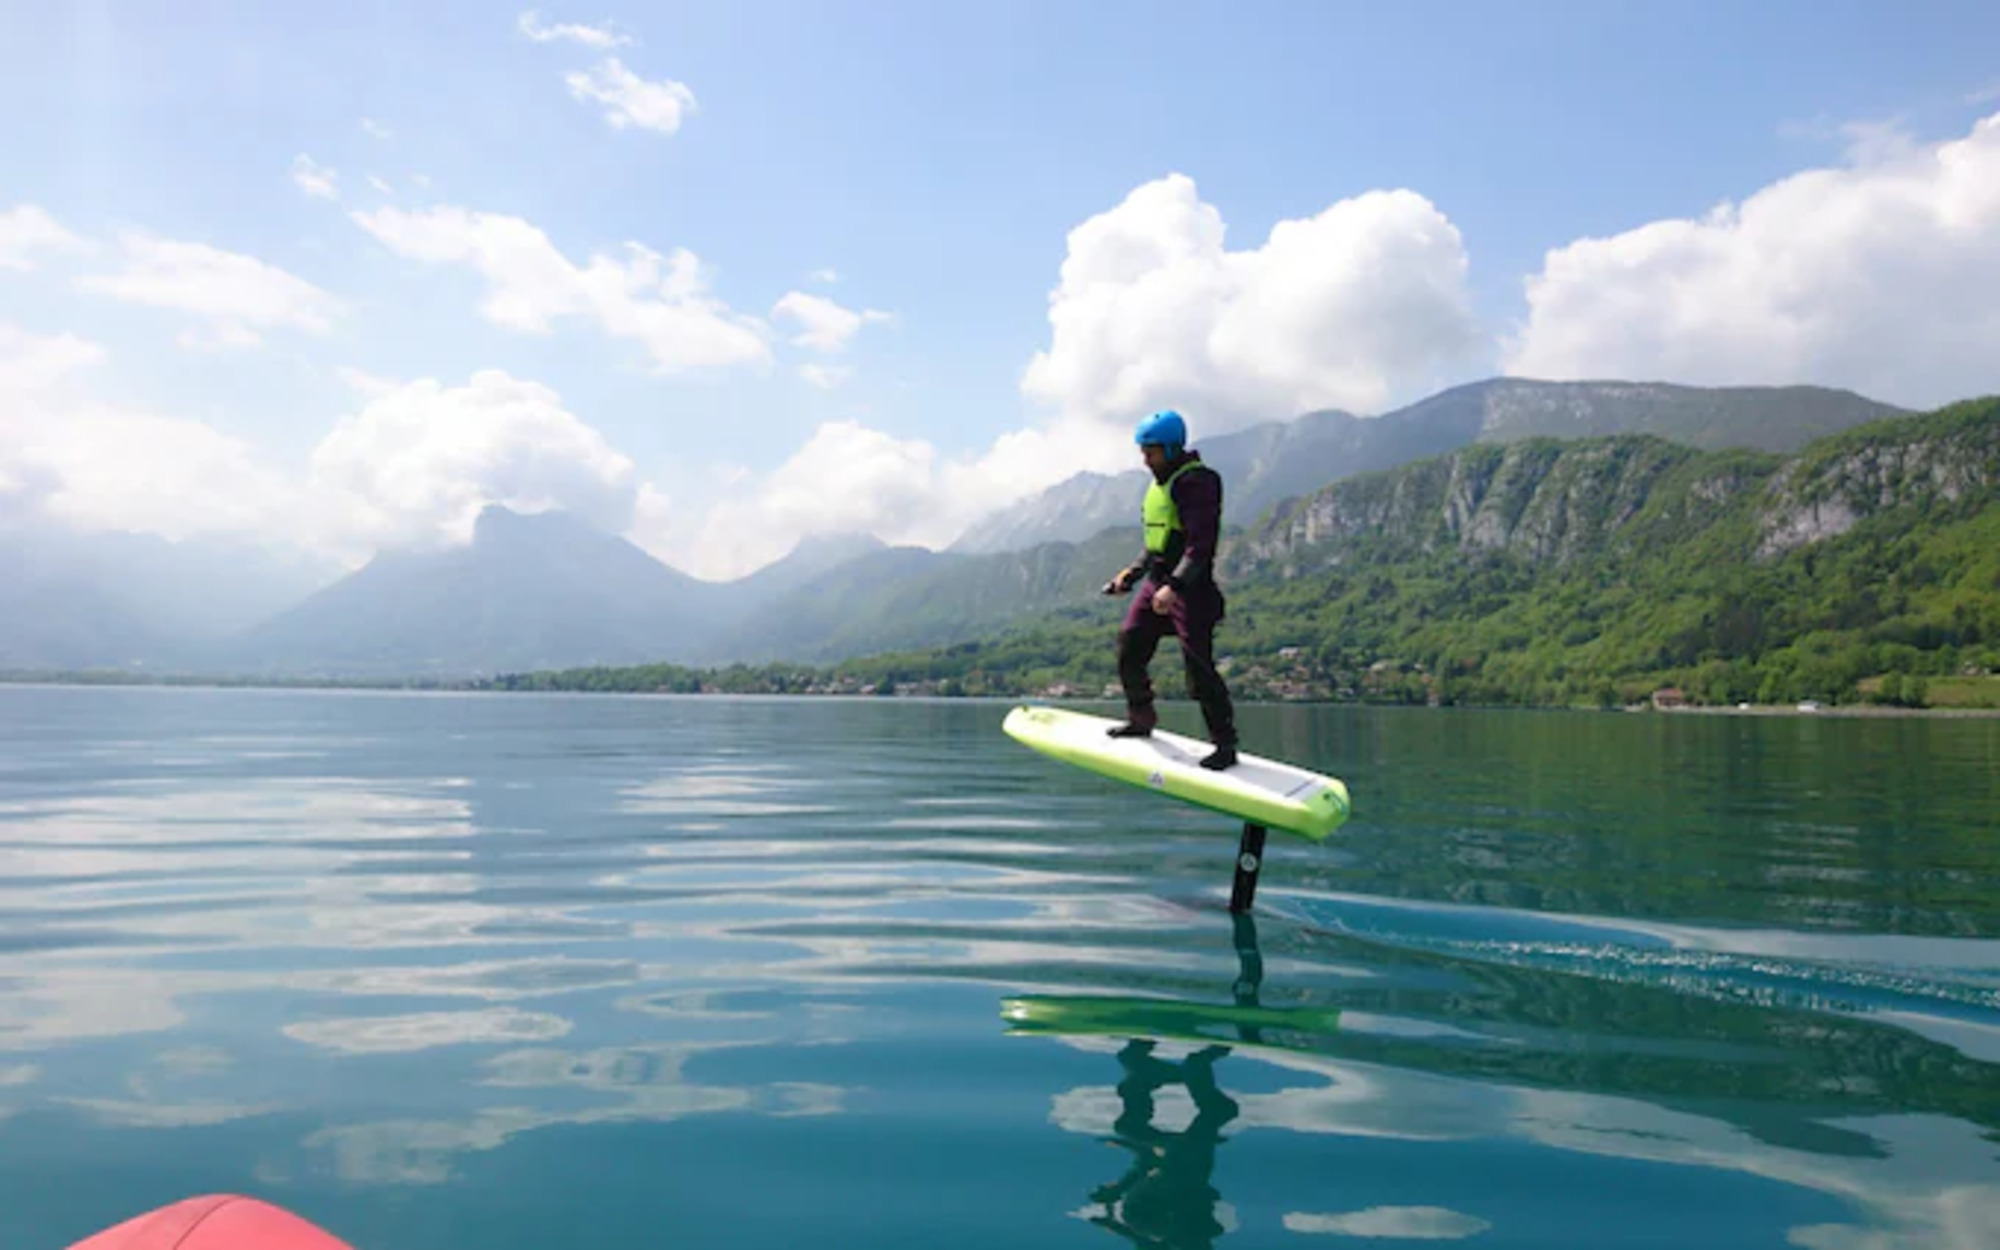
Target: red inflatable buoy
x,y
214,1222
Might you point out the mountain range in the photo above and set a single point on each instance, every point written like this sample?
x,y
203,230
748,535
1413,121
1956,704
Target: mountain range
x,y
1275,461
549,591
1599,571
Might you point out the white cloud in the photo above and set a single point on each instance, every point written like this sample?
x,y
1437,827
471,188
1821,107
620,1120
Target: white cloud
x,y
314,178
1341,309
417,463
661,302
368,384
165,475
413,465
95,466
1360,305
828,276
27,229
1876,275
375,129
219,336
31,362
600,37
380,185
238,295
825,325
849,477
1347,308
30,367
630,100
825,377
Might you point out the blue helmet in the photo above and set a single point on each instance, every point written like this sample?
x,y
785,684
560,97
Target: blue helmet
x,y
1164,429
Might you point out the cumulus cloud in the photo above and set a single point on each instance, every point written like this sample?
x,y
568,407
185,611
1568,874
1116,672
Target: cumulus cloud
x,y
629,101
1352,308
28,229
31,362
825,326
825,377
847,477
93,465
172,476
1346,308
314,178
1876,275
368,384
237,295
601,38
412,465
851,478
30,366
420,459
632,101
661,302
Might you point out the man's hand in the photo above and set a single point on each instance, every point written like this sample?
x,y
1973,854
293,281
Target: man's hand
x,y
1122,582
1164,599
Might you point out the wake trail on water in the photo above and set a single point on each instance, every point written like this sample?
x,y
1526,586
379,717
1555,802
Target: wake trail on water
x,y
1952,982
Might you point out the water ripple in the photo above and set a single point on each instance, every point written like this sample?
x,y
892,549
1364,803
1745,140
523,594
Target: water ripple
x,y
342,949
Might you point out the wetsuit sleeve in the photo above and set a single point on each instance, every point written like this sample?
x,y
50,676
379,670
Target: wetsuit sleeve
x,y
1198,499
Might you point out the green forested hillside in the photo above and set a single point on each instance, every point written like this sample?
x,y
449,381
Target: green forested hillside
x,y
1585,571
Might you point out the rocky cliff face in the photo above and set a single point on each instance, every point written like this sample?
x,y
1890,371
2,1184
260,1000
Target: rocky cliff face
x,y
1950,460
1538,498
1555,501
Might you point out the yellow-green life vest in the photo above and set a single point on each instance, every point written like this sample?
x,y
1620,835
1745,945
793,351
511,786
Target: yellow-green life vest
x,y
1161,517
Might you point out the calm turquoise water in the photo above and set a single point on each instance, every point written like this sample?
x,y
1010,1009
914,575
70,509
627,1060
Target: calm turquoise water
x,y
525,972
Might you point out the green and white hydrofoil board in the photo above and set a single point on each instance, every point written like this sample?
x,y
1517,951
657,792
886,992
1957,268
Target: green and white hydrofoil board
x,y
1255,790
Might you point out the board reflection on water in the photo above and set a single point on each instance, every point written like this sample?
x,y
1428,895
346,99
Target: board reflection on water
x,y
1815,1131
442,972
1167,1196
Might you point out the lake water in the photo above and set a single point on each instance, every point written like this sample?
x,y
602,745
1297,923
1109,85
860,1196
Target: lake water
x,y
480,972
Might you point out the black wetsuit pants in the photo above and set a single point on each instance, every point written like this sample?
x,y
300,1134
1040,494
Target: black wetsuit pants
x,y
1195,615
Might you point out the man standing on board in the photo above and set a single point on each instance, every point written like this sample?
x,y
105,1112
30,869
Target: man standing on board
x,y
1182,512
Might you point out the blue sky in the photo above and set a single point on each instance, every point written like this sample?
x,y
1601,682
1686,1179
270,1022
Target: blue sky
x,y
936,159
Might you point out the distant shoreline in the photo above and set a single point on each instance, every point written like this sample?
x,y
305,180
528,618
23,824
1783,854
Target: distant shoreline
x,y
420,686
1828,709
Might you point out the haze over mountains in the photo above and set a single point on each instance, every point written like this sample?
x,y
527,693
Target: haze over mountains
x,y
550,591
71,600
